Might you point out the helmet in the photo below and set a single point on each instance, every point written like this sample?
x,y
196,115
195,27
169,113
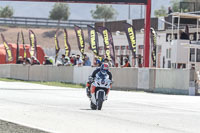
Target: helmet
x,y
104,68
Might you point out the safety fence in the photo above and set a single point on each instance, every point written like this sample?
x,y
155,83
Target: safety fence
x,y
43,22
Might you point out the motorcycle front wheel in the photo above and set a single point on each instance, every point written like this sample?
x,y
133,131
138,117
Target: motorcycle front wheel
x,y
100,100
93,106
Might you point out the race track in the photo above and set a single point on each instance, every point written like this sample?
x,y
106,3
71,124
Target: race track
x,y
66,110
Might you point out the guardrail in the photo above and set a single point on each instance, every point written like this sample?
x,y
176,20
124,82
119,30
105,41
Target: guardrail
x,y
43,22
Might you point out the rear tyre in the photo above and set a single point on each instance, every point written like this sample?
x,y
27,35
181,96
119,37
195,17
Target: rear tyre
x,y
93,106
100,100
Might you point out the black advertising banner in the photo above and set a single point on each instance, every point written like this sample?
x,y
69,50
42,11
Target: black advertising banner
x,y
93,40
33,44
9,56
17,50
131,36
67,45
143,2
108,43
23,42
80,39
57,47
154,43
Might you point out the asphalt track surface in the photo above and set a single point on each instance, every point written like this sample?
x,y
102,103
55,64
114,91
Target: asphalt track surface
x,y
66,110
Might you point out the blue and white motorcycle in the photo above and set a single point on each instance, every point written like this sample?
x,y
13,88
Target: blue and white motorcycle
x,y
99,88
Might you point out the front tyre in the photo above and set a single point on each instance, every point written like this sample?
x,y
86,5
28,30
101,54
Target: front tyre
x,y
100,100
93,106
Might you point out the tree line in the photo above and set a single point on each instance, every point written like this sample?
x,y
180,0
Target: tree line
x,y
61,11
187,6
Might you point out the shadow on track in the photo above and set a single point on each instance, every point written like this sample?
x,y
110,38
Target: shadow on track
x,y
85,109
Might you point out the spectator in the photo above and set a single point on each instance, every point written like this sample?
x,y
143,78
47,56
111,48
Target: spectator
x,y
63,59
73,59
67,62
27,61
47,61
109,61
20,60
34,61
127,64
87,61
183,35
140,60
106,60
97,62
187,30
24,61
169,10
79,61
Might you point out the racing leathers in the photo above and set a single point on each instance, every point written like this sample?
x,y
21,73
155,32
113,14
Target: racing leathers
x,y
88,88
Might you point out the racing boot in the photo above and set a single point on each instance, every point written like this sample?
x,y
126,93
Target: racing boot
x,y
106,97
93,99
88,92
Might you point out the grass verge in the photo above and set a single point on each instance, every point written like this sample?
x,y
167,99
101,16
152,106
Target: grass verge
x,y
59,84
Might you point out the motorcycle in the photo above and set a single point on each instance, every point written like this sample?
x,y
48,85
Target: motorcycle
x,y
101,84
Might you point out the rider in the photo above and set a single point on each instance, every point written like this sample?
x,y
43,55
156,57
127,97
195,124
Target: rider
x,y
102,71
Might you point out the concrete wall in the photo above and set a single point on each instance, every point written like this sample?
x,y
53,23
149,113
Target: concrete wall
x,y
143,78
19,71
5,71
38,73
51,73
81,74
174,81
62,73
126,78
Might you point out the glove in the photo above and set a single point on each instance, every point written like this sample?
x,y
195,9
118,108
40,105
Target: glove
x,y
91,79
